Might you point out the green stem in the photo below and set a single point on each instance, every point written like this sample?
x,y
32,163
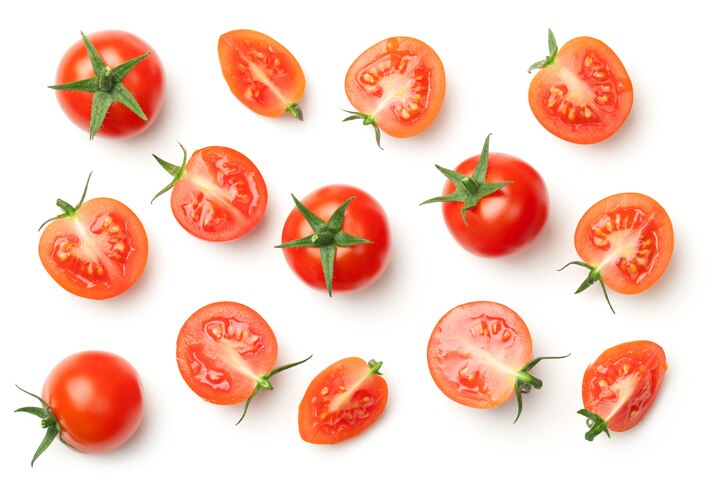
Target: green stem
x,y
105,80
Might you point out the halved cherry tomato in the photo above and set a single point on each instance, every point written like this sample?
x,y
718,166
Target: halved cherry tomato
x,y
621,385
397,85
93,401
343,400
583,93
226,353
261,73
626,241
220,195
479,355
97,249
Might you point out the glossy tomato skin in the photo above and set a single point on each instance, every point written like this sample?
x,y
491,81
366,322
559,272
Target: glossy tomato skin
x,y
260,72
506,220
222,349
585,95
222,195
99,253
399,64
331,413
146,82
355,267
98,399
473,350
629,238
622,383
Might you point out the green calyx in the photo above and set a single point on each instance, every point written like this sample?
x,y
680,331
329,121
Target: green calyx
x,y
367,120
176,171
596,424
48,421
264,383
327,237
469,189
106,86
374,367
294,109
525,381
552,53
68,209
594,275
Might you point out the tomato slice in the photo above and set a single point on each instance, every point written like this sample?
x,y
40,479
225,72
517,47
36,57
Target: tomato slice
x,y
584,94
344,400
97,252
621,385
224,350
399,83
261,73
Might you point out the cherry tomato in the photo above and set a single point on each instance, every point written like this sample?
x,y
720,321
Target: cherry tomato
x,y
621,385
397,85
343,400
583,93
494,204
349,251
92,401
220,195
261,73
126,101
479,355
97,249
626,241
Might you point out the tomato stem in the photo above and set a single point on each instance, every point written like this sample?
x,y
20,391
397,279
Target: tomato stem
x,y
552,54
374,367
596,424
524,381
68,210
48,421
594,275
294,109
367,120
176,171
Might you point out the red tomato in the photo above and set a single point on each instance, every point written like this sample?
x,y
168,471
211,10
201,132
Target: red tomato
x,y
220,195
621,385
355,267
397,84
479,354
92,400
97,249
145,82
261,73
583,93
343,400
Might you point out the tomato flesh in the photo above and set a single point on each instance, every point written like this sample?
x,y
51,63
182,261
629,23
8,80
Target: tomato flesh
x,y
222,351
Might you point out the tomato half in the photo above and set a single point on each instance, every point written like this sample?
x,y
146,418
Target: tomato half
x,y
97,250
261,73
397,84
582,93
145,82
355,267
219,195
621,385
344,400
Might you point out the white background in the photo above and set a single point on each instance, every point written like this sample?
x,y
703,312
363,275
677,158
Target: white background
x,y
670,149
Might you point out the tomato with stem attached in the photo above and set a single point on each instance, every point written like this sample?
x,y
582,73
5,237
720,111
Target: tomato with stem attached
x,y
480,355
219,195
261,73
342,401
396,86
582,93
621,385
91,401
96,249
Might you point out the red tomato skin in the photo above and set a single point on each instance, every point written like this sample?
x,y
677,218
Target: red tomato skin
x,y
461,331
146,82
117,277
97,398
355,267
662,237
572,58
206,361
234,177
505,221
314,420
646,362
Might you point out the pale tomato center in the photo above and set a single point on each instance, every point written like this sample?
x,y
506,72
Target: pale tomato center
x,y
342,402
260,68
